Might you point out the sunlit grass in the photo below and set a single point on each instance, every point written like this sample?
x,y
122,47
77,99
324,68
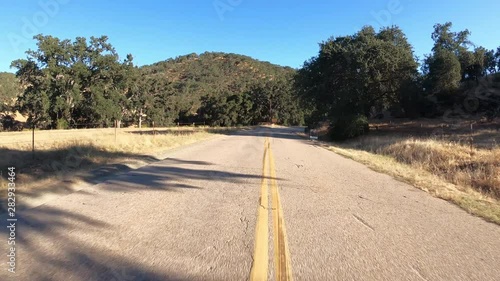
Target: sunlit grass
x,y
454,171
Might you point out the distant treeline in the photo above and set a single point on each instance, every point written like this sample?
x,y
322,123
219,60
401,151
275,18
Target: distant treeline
x,y
66,83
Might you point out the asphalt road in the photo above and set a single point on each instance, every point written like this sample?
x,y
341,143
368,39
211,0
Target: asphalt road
x,y
257,204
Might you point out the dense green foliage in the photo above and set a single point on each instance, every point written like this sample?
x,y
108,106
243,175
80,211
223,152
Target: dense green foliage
x,y
84,84
354,74
350,126
67,83
224,89
271,100
371,72
9,90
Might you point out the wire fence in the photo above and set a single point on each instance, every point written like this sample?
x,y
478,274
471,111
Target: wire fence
x,y
476,133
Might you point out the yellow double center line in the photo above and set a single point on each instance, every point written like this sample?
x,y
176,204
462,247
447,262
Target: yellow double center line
x,y
282,262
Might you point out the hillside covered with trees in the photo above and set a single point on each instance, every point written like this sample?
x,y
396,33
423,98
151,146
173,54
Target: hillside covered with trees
x,y
9,91
84,83
220,89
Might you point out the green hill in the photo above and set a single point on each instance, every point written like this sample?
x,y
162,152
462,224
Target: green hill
x,y
190,80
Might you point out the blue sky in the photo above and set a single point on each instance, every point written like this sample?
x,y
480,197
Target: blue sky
x,y
282,32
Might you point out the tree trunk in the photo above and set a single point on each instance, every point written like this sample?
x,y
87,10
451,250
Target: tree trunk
x,y
140,119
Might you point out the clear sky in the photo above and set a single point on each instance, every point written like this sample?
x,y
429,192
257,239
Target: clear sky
x,y
278,31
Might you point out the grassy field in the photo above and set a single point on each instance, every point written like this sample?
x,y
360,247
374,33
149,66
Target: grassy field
x,y
450,161
64,155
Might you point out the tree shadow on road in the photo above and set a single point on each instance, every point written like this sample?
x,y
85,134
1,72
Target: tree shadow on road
x,y
66,168
44,251
171,174
47,235
290,133
173,132
45,163
62,168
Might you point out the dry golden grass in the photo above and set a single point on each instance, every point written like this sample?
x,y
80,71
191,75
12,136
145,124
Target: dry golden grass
x,y
68,152
445,165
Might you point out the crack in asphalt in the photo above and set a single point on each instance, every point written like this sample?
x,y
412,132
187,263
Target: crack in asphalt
x,y
362,221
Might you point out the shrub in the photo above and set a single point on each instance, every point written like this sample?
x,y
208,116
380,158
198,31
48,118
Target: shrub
x,y
8,122
62,124
349,127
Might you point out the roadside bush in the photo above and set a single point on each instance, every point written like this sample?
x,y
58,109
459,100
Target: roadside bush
x,y
10,124
349,127
62,124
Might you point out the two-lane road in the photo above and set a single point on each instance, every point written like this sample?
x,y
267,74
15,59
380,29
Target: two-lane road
x,y
260,203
